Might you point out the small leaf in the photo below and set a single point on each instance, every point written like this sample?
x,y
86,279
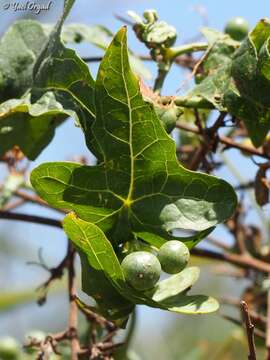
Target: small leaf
x,y
152,32
195,304
175,284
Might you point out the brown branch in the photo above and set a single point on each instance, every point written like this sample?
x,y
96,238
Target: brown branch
x,y
30,218
73,310
209,139
183,60
36,200
267,341
257,332
249,331
217,243
13,205
237,303
226,141
241,260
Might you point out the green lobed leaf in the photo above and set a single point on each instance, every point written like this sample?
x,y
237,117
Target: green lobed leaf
x,y
62,71
29,125
99,36
215,69
140,184
248,97
20,47
61,86
236,78
169,294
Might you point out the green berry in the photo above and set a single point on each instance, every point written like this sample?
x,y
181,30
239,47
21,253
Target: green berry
x,y
141,270
9,348
173,256
237,28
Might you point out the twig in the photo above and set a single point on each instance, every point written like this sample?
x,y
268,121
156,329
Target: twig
x,y
36,200
257,332
73,310
241,260
124,19
237,303
209,139
217,243
249,331
226,141
13,205
267,341
30,218
185,61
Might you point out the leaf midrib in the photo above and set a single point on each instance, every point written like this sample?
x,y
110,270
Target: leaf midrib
x,y
131,184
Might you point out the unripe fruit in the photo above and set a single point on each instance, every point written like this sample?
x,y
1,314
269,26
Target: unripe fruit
x,y
237,28
168,116
173,256
9,348
141,270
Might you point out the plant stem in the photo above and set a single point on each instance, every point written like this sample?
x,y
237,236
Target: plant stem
x,y
249,331
73,310
267,341
35,200
196,102
241,260
159,81
173,52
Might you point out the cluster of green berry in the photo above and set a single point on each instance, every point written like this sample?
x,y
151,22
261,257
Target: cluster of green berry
x,y
142,269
